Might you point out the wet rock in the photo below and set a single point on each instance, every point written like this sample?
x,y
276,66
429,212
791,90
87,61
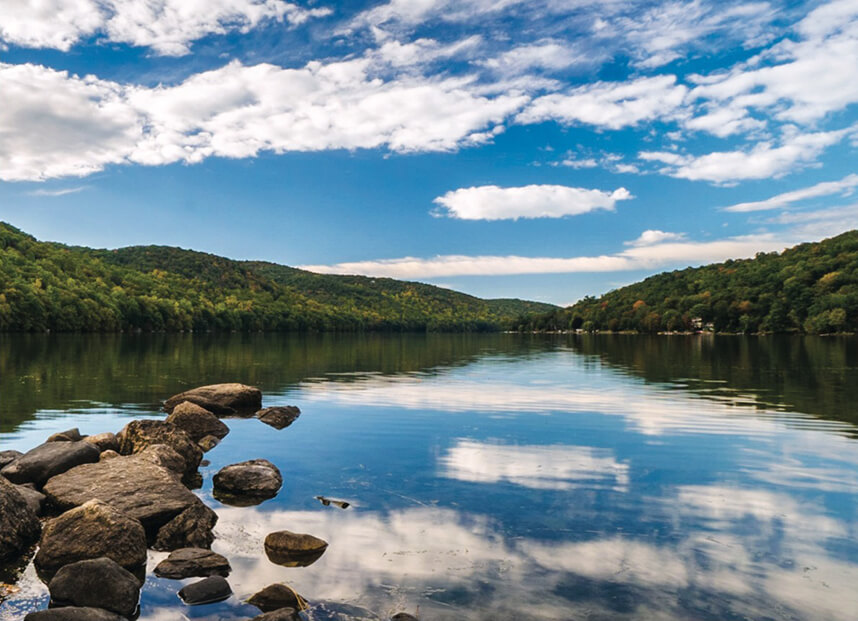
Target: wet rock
x,y
72,613
93,530
279,417
277,596
69,435
252,481
208,443
284,614
141,434
197,421
190,562
104,441
221,399
294,549
19,525
342,504
49,459
34,498
192,528
206,591
133,485
7,457
97,583
331,611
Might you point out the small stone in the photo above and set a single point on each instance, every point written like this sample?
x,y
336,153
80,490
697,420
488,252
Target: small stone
x,y
72,613
48,460
97,583
208,443
190,562
277,596
190,529
279,417
109,454
206,591
294,549
104,441
252,481
69,435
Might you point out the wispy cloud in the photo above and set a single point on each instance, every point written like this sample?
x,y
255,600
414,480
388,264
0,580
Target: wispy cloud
x,y
844,187
58,192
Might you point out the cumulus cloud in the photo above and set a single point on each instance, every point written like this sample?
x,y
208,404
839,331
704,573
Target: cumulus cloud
x,y
651,237
490,202
844,187
167,26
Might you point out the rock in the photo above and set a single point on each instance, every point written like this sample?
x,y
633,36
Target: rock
x,y
294,549
331,611
133,485
19,525
189,562
403,616
34,498
221,399
141,434
97,583
164,456
93,530
71,613
284,614
49,459
277,596
104,441
208,443
7,457
251,481
110,454
190,529
69,435
342,504
279,417
197,421
206,591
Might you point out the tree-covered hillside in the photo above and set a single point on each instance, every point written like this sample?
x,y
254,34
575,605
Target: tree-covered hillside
x,y
811,288
50,286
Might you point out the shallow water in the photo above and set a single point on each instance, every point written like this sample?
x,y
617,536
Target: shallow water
x,y
501,476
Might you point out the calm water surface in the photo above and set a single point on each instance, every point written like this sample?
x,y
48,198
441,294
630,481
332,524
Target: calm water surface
x,y
502,476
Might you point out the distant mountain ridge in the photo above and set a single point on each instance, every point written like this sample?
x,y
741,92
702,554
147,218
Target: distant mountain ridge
x,y
51,286
810,288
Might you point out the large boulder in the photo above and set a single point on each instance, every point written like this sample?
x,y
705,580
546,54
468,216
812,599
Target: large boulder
x,y
277,596
104,441
221,399
192,528
19,525
190,562
141,434
197,421
135,485
294,549
97,583
93,530
248,482
73,613
49,459
206,591
7,457
279,417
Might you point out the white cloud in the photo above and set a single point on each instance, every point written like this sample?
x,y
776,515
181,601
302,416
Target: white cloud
x,y
490,202
652,237
845,187
58,192
167,26
549,55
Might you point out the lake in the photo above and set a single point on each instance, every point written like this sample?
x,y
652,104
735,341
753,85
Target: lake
x,y
500,476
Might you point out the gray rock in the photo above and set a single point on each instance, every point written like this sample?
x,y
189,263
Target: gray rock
x,y
19,525
192,528
34,498
141,434
221,399
104,441
71,613
279,417
208,443
190,562
96,583
284,614
277,596
69,435
134,485
7,457
206,591
294,549
48,460
254,480
93,530
197,421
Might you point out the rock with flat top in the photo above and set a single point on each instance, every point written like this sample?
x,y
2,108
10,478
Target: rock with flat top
x,y
294,549
221,399
279,417
97,583
254,481
48,460
192,562
69,435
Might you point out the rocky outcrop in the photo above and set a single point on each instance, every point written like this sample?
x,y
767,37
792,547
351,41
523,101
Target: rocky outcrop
x,y
7,457
141,434
93,530
197,421
206,591
19,525
72,613
277,596
248,482
221,399
192,528
69,435
97,583
48,460
279,417
191,562
104,441
294,549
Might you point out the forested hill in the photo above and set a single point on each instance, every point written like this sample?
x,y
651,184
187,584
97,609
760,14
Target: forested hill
x,y
811,288
50,286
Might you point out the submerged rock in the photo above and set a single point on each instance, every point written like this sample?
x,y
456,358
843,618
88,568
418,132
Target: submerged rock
x,y
7,457
284,614
93,530
279,417
98,583
206,591
19,524
277,596
141,434
248,482
69,435
403,616
294,549
48,460
104,441
221,399
73,613
192,528
331,611
197,421
190,562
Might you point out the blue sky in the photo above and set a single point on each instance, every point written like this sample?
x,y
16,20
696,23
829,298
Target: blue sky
x,y
546,149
